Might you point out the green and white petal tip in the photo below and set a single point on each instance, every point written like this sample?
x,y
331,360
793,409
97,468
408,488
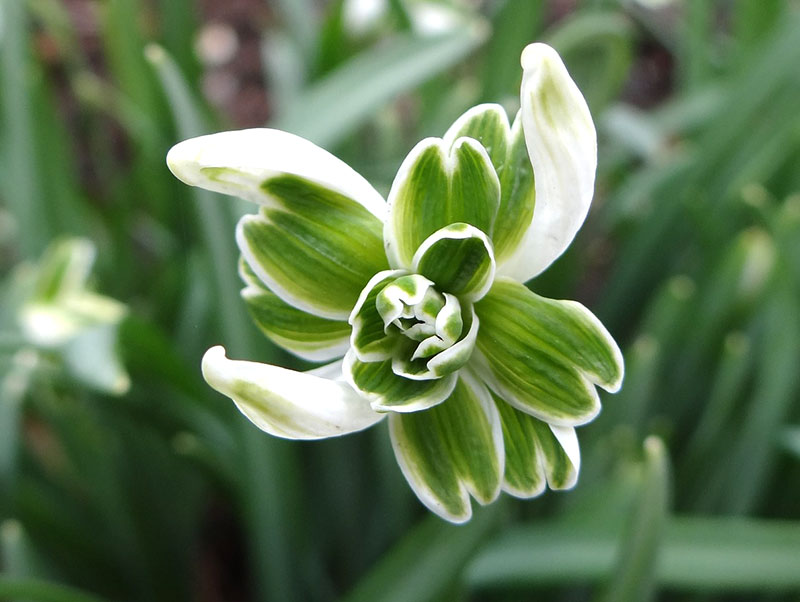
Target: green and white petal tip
x,y
452,451
562,145
286,403
459,259
238,162
439,184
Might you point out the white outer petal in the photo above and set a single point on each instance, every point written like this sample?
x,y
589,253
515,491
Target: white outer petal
x,y
562,145
261,153
285,403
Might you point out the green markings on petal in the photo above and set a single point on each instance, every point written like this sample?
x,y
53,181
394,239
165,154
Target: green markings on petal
x,y
369,338
488,124
239,162
535,456
452,450
307,336
565,328
544,356
562,145
458,259
285,403
396,301
387,391
317,253
524,475
438,185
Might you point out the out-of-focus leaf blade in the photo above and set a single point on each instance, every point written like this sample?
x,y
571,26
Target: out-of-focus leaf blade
x,y
335,106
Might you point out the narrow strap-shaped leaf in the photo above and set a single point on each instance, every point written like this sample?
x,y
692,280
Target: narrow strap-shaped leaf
x,y
238,163
452,450
286,403
316,252
387,391
505,145
438,185
458,259
562,145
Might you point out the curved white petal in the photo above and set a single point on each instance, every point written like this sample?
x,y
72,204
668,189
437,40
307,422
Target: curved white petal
x,y
238,162
285,403
568,439
562,145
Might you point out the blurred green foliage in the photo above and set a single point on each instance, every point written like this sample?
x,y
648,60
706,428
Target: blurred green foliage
x,y
691,256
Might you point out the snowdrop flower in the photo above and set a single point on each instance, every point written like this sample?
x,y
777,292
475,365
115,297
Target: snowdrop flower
x,y
483,381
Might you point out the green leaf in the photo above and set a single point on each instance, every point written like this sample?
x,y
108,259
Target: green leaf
x,y
354,92
434,552
438,185
458,259
634,577
543,356
452,450
488,124
285,403
317,251
308,336
698,554
562,146
387,391
535,455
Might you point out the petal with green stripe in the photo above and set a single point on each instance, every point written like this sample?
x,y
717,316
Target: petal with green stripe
x,y
458,259
285,403
488,124
387,391
317,252
537,454
452,450
369,339
562,145
438,185
545,356
238,163
307,336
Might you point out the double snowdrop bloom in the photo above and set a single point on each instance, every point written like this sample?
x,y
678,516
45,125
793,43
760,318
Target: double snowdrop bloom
x,y
483,381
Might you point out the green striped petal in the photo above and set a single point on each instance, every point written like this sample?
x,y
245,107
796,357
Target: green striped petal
x,y
310,337
369,339
458,259
544,356
387,391
285,403
535,455
238,163
562,145
438,185
452,450
488,124
316,252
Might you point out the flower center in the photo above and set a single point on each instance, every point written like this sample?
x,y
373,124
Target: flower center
x,y
425,333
